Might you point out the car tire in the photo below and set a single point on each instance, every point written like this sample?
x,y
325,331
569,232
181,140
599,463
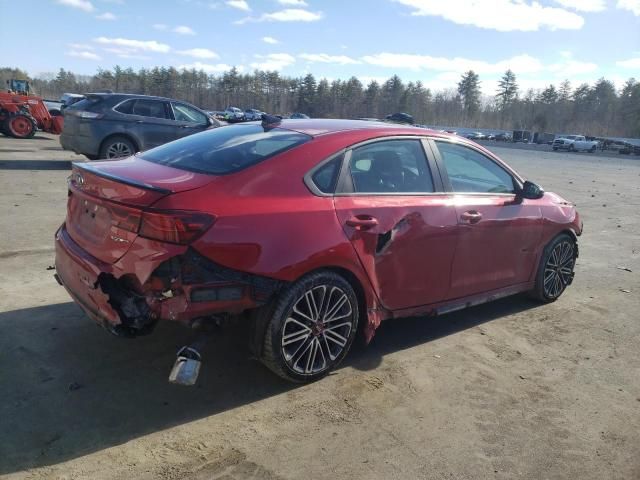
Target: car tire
x,y
555,271
572,148
117,147
593,149
304,341
555,149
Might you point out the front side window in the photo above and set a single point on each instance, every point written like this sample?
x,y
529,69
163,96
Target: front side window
x,y
149,108
226,149
184,113
390,166
471,172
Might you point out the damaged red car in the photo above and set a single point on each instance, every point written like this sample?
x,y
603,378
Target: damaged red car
x,y
310,231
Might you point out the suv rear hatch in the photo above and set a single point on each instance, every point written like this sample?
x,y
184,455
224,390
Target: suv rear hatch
x,y
107,202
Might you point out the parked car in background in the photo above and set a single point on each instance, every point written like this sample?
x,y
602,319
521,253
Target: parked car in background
x,y
490,136
68,99
251,114
112,125
523,136
54,107
308,233
400,117
476,136
298,115
575,143
233,115
630,148
503,137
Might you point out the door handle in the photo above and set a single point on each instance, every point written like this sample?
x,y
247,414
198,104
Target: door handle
x,y
471,216
362,222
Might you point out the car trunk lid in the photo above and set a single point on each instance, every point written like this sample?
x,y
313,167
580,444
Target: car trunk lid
x,y
107,199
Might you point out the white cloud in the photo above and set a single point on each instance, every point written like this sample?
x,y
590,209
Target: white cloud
x,y
208,68
106,16
286,15
199,53
143,45
293,3
273,61
160,26
80,46
630,63
83,54
519,64
270,40
239,4
632,5
84,5
501,15
584,5
571,68
126,53
326,58
183,30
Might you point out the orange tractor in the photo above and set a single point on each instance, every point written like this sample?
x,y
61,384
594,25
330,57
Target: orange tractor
x,y
22,113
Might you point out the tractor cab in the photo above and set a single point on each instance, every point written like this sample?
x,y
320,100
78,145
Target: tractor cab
x,y
20,87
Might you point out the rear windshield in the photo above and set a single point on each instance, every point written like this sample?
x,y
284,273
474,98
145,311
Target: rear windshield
x,y
225,149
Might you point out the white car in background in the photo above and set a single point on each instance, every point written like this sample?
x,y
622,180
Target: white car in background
x,y
574,143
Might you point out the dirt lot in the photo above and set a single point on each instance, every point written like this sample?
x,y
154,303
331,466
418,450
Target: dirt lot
x,y
506,390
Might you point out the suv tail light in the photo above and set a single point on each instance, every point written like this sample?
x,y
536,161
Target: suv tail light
x,y
174,226
85,114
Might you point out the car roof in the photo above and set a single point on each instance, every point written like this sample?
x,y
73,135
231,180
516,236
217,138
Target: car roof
x,y
322,126
135,95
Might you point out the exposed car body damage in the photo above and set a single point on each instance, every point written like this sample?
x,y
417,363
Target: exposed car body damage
x,y
146,240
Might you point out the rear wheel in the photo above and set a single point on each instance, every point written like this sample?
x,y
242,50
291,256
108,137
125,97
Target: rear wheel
x,y
117,147
572,148
312,326
593,149
20,126
555,271
555,149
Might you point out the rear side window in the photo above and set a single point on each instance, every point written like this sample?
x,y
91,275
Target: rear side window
x,y
150,108
325,177
226,149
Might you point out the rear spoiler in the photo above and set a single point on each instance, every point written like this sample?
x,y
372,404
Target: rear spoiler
x,y
87,167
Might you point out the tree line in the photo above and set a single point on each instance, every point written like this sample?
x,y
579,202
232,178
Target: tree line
x,y
597,109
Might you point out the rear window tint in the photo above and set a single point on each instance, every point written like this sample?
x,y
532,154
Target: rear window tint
x,y
225,149
86,103
325,177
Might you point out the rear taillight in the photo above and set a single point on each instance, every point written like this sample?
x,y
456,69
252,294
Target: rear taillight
x,y
174,226
85,114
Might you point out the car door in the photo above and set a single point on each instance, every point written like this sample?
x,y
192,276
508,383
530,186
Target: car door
x,y
152,123
497,230
188,119
400,223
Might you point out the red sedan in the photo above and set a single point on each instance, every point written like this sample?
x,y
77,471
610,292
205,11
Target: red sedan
x,y
310,231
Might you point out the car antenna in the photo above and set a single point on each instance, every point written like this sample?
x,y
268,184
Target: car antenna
x,y
270,121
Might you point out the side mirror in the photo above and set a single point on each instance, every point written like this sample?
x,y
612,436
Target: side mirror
x,y
531,191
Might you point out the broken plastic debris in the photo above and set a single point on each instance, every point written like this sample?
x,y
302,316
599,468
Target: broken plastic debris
x,y
624,290
626,269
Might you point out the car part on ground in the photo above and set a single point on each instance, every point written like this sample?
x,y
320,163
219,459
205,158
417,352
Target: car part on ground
x,y
309,231
114,125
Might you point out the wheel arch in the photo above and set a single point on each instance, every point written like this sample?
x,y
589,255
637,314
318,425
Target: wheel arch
x,y
128,136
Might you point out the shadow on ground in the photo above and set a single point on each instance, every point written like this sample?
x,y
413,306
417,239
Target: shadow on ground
x,y
35,165
70,389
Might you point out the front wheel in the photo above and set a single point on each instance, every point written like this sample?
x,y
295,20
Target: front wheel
x,y
555,272
312,326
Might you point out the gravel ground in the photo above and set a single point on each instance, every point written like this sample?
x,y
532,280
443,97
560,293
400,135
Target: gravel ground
x,y
506,390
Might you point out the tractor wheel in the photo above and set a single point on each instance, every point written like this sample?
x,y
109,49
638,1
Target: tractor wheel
x,y
20,126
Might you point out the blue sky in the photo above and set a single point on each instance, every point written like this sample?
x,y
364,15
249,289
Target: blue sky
x,y
543,41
